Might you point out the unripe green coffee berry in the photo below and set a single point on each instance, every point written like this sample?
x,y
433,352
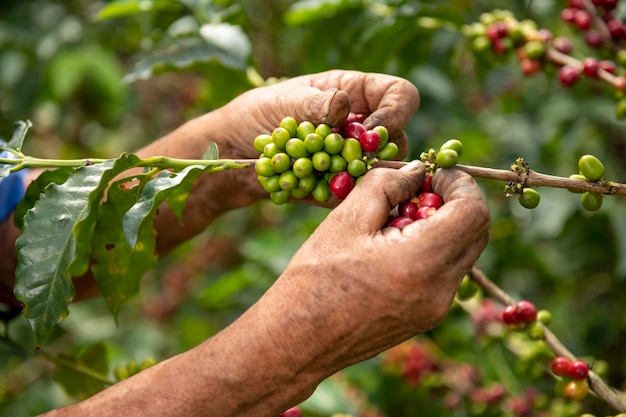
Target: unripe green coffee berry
x,y
453,144
591,201
357,167
446,158
467,288
333,143
314,142
337,164
307,184
298,193
120,372
534,49
271,184
529,198
304,128
591,167
321,192
296,148
281,162
545,317
280,136
302,167
535,330
323,130
388,152
260,142
288,180
270,150
321,161
384,135
280,197
290,124
147,363
264,167
579,177
351,150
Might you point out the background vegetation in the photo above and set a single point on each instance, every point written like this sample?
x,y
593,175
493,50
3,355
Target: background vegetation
x,y
99,78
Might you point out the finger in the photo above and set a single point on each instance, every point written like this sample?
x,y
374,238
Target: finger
x,y
367,207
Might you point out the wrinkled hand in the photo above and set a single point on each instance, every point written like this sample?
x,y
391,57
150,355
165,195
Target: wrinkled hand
x,y
368,288
326,97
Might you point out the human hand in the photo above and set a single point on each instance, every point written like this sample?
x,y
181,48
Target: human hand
x,y
366,288
326,97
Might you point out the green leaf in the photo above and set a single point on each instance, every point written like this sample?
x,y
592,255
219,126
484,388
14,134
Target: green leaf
x,y
119,9
35,189
56,239
80,385
227,44
212,152
20,129
309,11
141,215
118,268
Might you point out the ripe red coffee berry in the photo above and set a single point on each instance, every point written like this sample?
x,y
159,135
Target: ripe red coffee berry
x,y
590,67
370,141
509,315
582,19
408,209
429,200
568,75
292,412
425,212
354,130
560,366
427,184
579,369
401,222
526,311
341,185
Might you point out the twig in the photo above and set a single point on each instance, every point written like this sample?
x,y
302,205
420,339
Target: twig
x,y
531,178
610,395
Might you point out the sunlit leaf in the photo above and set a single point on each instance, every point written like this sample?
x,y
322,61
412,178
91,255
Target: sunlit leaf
x,y
127,8
56,240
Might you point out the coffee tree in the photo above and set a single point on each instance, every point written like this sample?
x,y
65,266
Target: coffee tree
x,y
527,97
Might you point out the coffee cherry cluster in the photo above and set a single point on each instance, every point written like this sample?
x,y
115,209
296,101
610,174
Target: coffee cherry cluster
x,y
499,32
590,168
121,372
422,205
524,316
301,159
573,383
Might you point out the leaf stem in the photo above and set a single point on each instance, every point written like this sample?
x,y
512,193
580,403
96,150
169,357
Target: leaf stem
x,y
59,361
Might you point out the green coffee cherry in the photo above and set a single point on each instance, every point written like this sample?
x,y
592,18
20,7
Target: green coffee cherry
x,y
304,128
314,142
337,164
297,193
271,184
545,317
591,167
455,145
529,198
280,136
307,184
296,148
321,161
323,130
264,167
302,167
287,180
357,168
260,142
333,144
290,124
467,288
351,150
446,158
281,162
270,150
388,152
321,192
535,330
591,201
384,135
280,197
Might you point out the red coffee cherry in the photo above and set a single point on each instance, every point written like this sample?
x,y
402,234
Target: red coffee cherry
x,y
341,185
526,311
560,366
568,75
509,315
579,369
590,67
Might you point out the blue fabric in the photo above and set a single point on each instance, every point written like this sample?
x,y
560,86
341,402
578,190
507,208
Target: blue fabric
x,y
11,189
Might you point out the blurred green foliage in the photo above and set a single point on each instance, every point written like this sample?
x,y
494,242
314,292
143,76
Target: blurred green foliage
x,y
98,78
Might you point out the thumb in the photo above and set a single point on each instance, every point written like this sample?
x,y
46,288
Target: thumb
x,y
367,207
330,107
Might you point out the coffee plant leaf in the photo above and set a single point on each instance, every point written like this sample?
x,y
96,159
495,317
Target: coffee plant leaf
x,y
56,243
78,384
141,215
223,43
115,10
20,129
36,188
117,268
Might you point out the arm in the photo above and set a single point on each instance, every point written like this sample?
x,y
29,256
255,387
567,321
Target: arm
x,y
350,292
